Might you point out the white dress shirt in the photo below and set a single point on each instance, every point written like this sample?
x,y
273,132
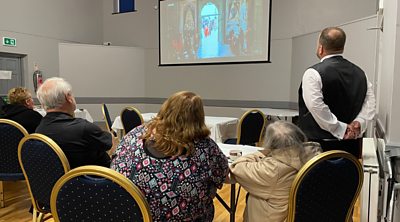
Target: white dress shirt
x,y
314,101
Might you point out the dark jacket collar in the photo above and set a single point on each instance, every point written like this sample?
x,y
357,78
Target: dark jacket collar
x,y
11,110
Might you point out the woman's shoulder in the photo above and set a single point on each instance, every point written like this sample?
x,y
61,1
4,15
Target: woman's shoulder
x,y
205,143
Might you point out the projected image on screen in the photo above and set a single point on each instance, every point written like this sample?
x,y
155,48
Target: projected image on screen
x,y
214,31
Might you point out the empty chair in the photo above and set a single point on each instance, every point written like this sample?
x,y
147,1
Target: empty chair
x,y
11,134
250,128
326,188
131,118
94,193
107,118
43,163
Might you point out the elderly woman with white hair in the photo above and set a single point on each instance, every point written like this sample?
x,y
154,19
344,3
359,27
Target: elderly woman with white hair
x,y
267,175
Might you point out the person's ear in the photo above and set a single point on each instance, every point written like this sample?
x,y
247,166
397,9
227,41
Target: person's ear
x,y
69,98
320,50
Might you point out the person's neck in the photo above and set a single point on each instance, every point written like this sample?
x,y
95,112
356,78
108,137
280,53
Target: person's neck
x,y
329,56
60,110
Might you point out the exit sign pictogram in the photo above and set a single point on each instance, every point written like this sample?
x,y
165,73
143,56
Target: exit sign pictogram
x,y
9,41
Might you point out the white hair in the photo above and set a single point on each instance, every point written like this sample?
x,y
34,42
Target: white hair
x,y
283,134
52,93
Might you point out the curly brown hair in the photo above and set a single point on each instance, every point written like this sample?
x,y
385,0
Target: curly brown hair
x,y
18,95
178,124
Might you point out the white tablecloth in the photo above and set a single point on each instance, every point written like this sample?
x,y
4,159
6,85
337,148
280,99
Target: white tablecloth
x,y
79,113
225,148
221,128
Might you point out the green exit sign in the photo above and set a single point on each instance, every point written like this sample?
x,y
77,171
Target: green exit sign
x,y
9,41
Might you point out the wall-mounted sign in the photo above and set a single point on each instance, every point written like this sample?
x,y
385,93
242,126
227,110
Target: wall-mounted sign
x,y
9,41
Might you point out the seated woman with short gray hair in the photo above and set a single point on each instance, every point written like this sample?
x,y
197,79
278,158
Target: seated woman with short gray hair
x,y
267,175
20,109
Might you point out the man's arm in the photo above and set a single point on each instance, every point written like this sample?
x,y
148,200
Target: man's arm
x,y
98,138
314,101
367,112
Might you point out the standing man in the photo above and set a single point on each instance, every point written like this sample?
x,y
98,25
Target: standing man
x,y
335,98
83,143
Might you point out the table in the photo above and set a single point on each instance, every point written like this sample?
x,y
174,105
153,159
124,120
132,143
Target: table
x,y
79,113
221,128
225,148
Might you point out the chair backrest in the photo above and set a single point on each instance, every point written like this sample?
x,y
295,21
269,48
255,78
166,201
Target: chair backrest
x,y
43,163
130,118
11,134
2,103
326,188
251,127
106,116
95,193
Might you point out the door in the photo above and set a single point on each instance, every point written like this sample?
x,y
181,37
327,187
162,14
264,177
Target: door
x,y
12,64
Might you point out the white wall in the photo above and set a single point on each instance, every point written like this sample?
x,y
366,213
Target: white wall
x,y
139,28
97,71
388,67
313,15
40,25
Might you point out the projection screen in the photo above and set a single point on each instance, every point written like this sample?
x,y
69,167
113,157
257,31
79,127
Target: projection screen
x,y
193,32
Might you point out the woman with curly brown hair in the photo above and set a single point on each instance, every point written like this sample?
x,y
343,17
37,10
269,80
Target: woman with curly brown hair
x,y
21,110
174,162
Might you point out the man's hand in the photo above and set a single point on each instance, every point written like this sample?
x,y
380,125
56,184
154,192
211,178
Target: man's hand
x,y
353,130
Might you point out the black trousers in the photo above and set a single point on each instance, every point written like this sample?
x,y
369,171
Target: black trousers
x,y
351,146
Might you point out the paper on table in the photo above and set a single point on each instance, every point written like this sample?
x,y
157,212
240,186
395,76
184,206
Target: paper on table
x,y
4,74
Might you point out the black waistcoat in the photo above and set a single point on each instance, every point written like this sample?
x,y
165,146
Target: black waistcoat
x,y
344,86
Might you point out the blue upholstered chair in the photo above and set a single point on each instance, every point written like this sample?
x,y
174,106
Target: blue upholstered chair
x,y
326,188
95,193
131,118
250,129
11,134
2,103
43,163
107,118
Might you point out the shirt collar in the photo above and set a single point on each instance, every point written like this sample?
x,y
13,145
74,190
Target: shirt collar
x,y
330,56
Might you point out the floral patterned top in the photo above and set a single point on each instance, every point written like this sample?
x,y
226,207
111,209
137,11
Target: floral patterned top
x,y
176,188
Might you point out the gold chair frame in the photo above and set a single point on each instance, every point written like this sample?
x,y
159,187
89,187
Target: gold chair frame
x,y
130,108
25,133
309,165
53,145
109,174
239,126
104,116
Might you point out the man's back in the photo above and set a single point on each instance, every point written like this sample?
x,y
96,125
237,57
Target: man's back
x,y
344,86
83,142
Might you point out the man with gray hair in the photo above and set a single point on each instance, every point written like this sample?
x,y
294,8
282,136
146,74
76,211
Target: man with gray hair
x,y
267,175
83,143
